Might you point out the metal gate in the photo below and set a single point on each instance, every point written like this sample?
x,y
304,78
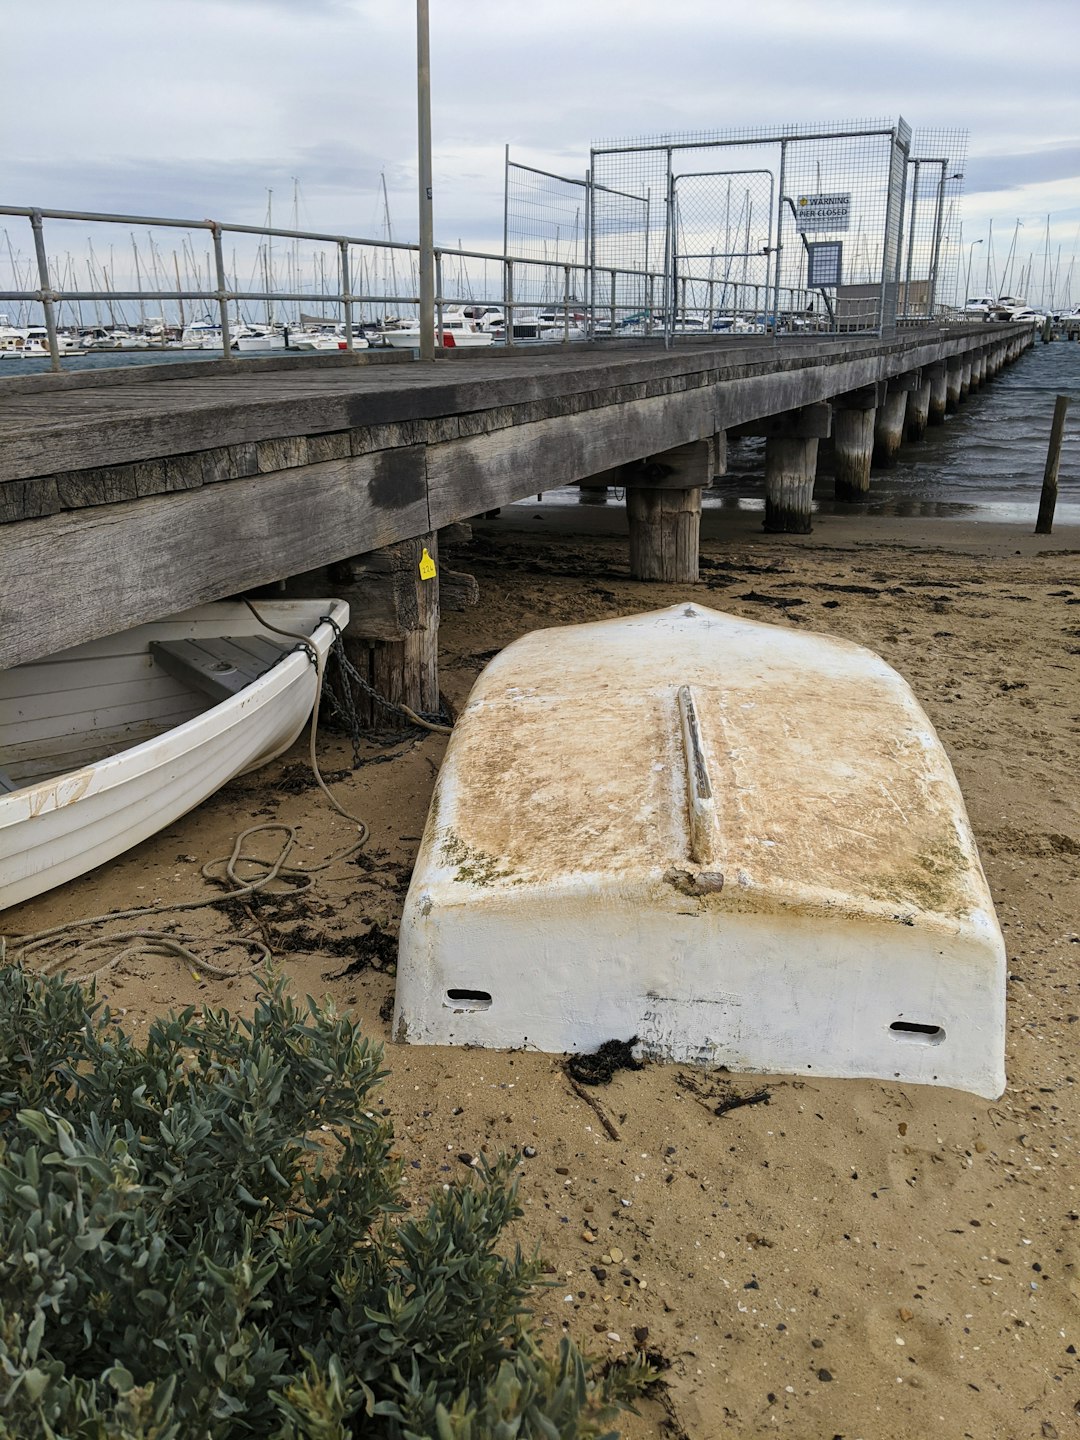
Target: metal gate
x,y
722,247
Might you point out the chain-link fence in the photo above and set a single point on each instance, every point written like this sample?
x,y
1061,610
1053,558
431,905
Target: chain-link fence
x,y
789,230
933,225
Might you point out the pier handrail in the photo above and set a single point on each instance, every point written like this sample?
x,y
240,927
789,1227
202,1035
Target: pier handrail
x,y
603,301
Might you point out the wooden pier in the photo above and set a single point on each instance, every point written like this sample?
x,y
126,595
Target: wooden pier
x,y
132,493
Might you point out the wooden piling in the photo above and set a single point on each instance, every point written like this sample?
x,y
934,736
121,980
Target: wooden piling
x,y
938,392
663,508
953,380
790,463
1048,499
665,531
853,449
889,426
392,638
918,410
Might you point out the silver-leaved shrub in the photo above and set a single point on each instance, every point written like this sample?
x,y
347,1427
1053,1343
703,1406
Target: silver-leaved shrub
x,y
202,1238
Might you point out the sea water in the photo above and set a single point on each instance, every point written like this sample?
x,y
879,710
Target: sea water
x,y
985,463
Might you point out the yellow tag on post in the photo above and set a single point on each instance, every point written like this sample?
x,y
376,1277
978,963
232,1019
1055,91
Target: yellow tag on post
x,y
427,566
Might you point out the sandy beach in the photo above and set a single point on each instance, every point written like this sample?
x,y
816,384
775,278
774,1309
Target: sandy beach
x,y
851,1259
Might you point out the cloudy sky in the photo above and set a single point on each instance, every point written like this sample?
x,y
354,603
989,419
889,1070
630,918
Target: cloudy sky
x,y
200,107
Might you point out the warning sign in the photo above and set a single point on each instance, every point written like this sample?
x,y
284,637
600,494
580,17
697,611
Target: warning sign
x,y
817,213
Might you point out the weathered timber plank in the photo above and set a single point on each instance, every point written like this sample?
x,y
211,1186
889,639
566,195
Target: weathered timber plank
x,y
334,446
283,454
76,576
29,499
466,477
42,434
75,488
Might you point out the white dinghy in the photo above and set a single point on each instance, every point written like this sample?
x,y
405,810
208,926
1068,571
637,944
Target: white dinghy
x,y
743,844
106,743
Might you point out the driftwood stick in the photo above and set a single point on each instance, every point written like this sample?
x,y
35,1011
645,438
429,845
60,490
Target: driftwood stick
x,y
594,1104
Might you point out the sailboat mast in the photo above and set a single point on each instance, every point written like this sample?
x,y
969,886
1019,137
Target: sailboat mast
x,y
269,255
179,287
294,284
138,285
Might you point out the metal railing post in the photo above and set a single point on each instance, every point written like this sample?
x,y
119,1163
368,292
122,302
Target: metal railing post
x,y
345,283
779,249
614,273
38,226
508,298
222,289
566,304
438,297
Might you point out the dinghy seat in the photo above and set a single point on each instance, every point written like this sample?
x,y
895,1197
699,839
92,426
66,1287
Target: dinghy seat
x,y
221,666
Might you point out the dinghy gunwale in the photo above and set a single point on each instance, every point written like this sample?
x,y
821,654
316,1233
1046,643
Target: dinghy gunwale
x,y
35,818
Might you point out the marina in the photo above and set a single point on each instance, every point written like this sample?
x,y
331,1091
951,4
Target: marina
x,y
538,873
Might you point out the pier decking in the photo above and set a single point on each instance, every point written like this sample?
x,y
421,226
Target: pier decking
x,y
130,494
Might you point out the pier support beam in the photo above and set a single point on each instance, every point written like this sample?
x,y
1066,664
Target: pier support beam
x,y
890,416
790,465
791,452
590,493
663,507
918,409
853,440
718,454
392,638
953,379
938,376
965,378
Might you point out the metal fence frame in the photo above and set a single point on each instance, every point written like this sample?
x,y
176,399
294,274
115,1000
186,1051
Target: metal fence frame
x,y
523,278
886,175
614,298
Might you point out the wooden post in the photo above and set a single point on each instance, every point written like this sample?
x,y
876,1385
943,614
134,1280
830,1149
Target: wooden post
x,y
589,494
853,449
791,454
665,530
790,464
918,410
663,507
889,424
393,633
953,379
718,454
1048,499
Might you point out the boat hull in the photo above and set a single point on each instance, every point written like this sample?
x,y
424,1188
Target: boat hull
x,y
60,828
744,846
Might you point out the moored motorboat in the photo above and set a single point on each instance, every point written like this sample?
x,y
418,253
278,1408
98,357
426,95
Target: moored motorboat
x,y
258,339
459,331
107,743
328,338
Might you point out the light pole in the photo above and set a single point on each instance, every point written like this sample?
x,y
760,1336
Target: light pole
x,y
427,227
967,272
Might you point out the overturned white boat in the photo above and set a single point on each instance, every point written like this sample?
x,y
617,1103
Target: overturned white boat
x,y
106,743
743,844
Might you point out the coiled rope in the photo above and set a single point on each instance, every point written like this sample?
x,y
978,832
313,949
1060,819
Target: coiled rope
x,y
70,944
